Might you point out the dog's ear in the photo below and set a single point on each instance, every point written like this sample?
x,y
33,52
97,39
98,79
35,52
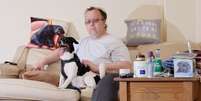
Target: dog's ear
x,y
73,40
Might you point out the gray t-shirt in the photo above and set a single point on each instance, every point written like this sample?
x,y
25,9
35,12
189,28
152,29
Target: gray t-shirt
x,y
106,49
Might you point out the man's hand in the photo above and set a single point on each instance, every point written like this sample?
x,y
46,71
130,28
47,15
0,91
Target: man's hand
x,y
53,57
39,66
93,67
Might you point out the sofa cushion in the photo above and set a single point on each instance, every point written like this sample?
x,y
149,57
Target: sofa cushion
x,y
44,76
46,32
37,54
86,94
19,89
50,75
9,71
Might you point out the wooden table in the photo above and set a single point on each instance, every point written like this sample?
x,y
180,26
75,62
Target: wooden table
x,y
159,89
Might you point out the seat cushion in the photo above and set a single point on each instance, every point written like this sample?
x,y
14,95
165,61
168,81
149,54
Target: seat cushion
x,y
86,94
19,89
43,76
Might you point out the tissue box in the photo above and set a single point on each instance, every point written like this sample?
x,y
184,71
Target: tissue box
x,y
183,67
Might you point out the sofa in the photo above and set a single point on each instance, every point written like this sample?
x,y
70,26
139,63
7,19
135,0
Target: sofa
x,y
27,90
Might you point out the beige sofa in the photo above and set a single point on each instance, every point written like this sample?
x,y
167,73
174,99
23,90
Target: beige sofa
x,y
18,89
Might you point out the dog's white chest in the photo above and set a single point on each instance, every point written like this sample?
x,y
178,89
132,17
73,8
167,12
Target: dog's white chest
x,y
70,69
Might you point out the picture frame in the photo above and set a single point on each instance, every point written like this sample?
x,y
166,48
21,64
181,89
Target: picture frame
x,y
183,67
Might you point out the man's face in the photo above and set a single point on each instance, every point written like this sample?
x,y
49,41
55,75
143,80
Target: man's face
x,y
95,23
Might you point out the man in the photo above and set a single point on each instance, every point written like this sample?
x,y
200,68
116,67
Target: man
x,y
99,47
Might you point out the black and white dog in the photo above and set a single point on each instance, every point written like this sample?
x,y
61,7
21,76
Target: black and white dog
x,y
73,73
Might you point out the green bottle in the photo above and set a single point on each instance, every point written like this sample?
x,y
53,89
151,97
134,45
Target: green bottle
x,y
157,63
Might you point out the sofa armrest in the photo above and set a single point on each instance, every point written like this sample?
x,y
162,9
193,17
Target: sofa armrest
x,y
18,53
86,94
9,71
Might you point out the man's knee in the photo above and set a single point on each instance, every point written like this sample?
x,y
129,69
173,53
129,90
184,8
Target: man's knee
x,y
107,89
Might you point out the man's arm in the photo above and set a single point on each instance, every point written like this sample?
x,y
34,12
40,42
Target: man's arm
x,y
115,66
110,67
53,57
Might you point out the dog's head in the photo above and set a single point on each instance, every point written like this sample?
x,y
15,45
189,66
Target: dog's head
x,y
58,29
67,43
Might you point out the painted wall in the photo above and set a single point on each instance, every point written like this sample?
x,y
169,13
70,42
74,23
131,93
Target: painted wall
x,y
15,14
183,20
198,20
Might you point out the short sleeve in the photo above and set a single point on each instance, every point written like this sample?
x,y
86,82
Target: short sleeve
x,y
120,52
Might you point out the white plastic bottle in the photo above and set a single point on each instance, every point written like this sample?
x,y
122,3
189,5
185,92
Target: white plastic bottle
x,y
140,66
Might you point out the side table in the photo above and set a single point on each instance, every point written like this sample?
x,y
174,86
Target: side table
x,y
159,89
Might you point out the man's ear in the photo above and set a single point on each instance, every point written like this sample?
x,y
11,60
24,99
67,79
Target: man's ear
x,y
105,26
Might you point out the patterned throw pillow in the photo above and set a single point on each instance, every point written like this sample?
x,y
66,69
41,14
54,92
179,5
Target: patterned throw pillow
x,y
143,32
46,33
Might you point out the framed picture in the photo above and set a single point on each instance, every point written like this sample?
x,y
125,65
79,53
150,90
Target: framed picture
x,y
183,68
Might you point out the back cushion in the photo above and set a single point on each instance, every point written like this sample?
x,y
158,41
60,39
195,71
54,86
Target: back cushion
x,y
36,54
50,75
18,89
45,32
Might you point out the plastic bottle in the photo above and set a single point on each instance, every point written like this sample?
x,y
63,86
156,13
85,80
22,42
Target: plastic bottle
x,y
150,64
140,68
157,63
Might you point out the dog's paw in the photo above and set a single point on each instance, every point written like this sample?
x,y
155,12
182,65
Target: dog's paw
x,y
79,82
61,87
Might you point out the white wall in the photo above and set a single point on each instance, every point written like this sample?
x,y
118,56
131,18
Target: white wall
x,y
198,21
15,14
181,20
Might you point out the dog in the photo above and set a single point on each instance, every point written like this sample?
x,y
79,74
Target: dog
x,y
46,35
74,74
